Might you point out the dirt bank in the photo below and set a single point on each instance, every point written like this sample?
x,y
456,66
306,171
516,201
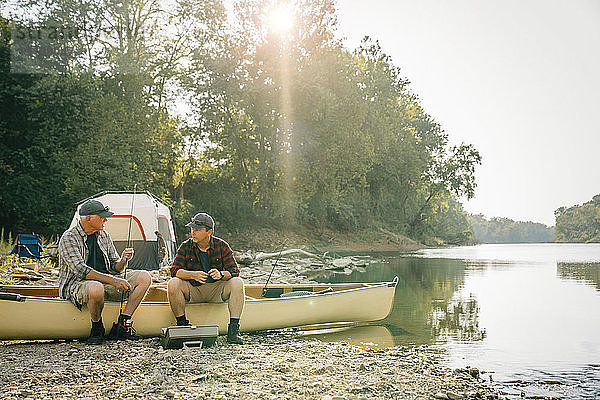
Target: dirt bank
x,y
319,240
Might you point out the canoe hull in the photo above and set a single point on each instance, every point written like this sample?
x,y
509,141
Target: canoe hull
x,y
52,318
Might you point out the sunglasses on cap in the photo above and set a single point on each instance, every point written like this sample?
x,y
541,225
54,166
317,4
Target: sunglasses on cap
x,y
201,224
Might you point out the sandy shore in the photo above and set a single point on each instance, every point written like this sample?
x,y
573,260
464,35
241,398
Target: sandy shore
x,y
270,365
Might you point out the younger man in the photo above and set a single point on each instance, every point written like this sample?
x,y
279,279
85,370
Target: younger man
x,y
204,270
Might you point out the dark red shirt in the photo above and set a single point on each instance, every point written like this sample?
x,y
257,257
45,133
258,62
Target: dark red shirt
x,y
220,257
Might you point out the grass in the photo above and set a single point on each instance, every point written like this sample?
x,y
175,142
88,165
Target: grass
x,y
6,245
10,262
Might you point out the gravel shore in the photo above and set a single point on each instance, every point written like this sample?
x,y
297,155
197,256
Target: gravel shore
x,y
270,365
267,366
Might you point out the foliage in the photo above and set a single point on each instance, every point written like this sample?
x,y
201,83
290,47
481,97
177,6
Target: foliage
x,y
579,223
281,128
6,243
504,230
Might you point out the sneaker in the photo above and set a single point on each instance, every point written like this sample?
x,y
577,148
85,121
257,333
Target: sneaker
x,y
123,330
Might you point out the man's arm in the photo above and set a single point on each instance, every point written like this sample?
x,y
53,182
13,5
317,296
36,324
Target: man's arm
x,y
125,256
230,267
70,253
199,276
116,263
178,269
120,284
71,257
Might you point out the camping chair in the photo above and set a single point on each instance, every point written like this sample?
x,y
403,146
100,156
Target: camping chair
x,y
28,245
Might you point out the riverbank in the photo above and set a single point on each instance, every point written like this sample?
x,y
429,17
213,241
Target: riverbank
x,y
319,240
277,365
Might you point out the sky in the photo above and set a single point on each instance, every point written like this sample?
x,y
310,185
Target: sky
x,y
518,79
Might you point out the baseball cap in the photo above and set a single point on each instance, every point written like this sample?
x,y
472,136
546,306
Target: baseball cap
x,y
94,207
201,220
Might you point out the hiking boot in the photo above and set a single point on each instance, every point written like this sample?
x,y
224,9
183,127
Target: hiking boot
x,y
183,323
96,336
233,334
123,330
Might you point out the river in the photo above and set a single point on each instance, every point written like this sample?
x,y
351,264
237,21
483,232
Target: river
x,y
527,315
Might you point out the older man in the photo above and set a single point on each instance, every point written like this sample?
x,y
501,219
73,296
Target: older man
x,y
204,270
90,269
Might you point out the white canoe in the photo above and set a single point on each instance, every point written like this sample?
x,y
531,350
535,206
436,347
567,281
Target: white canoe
x,y
40,314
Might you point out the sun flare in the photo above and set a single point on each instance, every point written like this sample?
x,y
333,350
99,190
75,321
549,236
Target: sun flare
x,y
281,18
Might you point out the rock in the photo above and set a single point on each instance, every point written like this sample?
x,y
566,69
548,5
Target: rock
x,y
201,378
474,372
440,396
342,262
454,396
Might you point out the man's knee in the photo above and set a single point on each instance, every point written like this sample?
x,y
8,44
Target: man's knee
x,y
175,284
143,279
95,291
236,284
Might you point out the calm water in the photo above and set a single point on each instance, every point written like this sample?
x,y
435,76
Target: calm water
x,y
527,314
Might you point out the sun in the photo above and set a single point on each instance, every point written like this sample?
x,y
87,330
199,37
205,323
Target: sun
x,y
281,18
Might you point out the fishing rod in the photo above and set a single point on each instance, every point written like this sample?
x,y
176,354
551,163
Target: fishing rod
x,y
272,269
128,245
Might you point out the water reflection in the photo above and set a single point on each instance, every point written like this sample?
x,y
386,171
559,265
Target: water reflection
x,y
586,272
458,320
426,308
370,336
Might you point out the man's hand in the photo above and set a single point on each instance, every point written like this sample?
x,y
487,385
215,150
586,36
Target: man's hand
x,y
127,254
215,274
121,284
200,276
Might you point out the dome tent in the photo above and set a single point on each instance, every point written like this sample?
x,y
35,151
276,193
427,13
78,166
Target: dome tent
x,y
152,235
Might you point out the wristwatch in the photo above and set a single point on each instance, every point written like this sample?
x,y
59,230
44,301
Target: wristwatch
x,y
222,276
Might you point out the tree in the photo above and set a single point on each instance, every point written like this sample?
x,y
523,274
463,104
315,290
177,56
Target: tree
x,y
579,223
450,172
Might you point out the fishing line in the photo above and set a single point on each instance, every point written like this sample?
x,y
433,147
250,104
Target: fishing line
x,y
272,269
128,245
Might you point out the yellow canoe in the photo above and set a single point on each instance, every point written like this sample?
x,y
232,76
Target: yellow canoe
x,y
36,312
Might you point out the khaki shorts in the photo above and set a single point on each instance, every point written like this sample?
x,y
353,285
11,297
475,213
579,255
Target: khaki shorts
x,y
207,292
110,292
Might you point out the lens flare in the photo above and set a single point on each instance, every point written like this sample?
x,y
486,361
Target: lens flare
x,y
281,19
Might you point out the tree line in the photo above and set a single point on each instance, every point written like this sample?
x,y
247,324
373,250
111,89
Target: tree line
x,y
217,110
505,230
579,223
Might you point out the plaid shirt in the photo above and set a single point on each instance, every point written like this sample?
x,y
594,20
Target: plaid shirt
x,y
72,256
220,257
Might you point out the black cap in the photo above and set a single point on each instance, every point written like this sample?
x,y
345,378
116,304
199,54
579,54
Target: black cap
x,y
202,220
94,207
